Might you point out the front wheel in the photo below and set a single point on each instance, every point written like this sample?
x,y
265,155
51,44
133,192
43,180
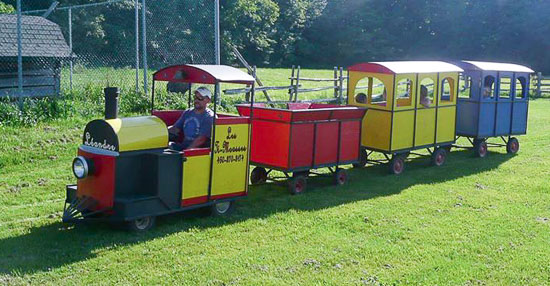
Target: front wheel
x,y
223,208
512,147
439,156
258,176
480,148
141,224
340,177
297,185
397,164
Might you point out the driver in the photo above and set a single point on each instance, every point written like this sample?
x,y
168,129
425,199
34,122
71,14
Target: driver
x,y
195,123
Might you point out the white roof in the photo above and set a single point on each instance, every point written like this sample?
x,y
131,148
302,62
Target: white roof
x,y
400,67
225,73
489,66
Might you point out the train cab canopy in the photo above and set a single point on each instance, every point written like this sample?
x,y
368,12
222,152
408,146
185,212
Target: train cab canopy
x,y
411,104
203,74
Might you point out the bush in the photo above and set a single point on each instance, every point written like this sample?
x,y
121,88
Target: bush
x,y
33,110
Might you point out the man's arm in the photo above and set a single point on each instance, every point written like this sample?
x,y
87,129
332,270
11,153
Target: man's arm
x,y
198,142
177,128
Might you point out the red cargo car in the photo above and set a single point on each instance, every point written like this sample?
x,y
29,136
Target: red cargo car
x,y
302,138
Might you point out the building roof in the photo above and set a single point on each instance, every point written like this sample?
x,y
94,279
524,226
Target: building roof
x,y
404,67
490,66
40,37
207,74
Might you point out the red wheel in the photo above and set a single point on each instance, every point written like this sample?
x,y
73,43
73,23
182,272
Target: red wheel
x,y
439,156
397,165
512,147
480,148
340,177
297,185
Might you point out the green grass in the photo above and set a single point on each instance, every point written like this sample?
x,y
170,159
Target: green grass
x,y
472,221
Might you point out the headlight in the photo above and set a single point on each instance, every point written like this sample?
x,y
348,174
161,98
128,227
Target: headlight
x,y
82,167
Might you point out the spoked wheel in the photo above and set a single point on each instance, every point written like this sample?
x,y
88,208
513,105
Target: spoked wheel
x,y
512,147
340,177
141,224
297,185
258,176
223,208
480,148
439,156
363,157
397,164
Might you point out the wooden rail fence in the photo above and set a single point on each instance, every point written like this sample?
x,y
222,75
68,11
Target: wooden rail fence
x,y
338,86
541,84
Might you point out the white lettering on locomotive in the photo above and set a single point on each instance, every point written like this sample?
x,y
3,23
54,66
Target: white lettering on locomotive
x,y
90,142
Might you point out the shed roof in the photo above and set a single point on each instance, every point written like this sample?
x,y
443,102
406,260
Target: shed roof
x,y
491,66
403,67
40,37
207,74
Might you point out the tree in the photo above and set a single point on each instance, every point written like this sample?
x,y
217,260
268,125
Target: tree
x,y
6,8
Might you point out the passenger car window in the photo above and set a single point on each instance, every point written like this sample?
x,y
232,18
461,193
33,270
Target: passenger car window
x,y
447,90
520,87
361,91
488,90
403,92
505,87
465,87
426,93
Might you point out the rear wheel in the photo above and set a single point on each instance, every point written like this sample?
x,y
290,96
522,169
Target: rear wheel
x,y
340,177
512,147
480,148
439,157
258,176
297,185
363,157
141,224
223,208
397,164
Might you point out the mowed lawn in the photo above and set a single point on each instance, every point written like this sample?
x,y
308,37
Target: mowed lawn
x,y
473,221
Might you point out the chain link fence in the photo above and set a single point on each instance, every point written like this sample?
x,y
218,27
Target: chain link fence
x,y
83,48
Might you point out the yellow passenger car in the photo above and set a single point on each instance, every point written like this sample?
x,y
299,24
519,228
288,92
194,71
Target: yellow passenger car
x,y
411,105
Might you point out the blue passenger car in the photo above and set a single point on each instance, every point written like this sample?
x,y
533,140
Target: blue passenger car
x,y
493,102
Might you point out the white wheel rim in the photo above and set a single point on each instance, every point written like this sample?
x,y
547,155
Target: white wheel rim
x,y
142,223
223,207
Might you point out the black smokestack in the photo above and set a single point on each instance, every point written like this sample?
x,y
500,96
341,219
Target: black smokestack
x,y
111,102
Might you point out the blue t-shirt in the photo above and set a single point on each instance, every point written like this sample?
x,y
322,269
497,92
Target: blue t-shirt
x,y
194,125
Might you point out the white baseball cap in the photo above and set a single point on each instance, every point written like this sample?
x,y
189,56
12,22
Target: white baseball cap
x,y
205,92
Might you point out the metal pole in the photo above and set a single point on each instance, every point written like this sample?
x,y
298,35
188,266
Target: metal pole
x,y
144,40
217,40
136,3
217,31
71,49
19,57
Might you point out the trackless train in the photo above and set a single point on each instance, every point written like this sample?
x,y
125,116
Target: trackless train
x,y
127,173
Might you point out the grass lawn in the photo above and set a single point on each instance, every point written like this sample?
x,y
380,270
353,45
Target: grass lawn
x,y
472,221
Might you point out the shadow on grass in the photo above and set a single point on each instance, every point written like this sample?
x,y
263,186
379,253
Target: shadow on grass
x,y
48,247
